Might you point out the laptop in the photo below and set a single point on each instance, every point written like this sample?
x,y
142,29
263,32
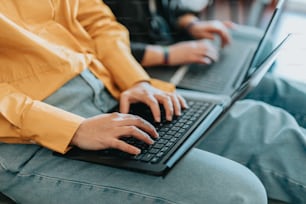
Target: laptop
x,y
176,137
237,60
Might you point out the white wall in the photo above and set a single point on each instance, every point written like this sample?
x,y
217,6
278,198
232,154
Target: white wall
x,y
297,5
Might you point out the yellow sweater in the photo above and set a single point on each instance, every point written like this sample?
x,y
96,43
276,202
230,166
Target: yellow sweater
x,y
44,44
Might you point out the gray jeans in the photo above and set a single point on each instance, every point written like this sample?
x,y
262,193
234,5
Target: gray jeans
x,y
266,139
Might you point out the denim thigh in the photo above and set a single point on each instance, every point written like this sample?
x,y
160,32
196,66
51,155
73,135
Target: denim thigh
x,y
270,142
286,94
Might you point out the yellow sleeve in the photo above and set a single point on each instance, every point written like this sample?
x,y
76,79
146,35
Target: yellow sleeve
x,y
23,120
111,43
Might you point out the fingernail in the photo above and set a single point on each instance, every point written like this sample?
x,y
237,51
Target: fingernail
x,y
138,151
207,60
156,135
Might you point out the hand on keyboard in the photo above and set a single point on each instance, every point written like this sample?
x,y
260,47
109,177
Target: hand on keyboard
x,y
105,131
145,93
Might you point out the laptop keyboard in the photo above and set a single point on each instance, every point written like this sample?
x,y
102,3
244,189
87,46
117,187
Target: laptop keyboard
x,y
170,133
207,78
215,78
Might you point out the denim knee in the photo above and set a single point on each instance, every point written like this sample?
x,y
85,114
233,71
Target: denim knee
x,y
245,188
251,190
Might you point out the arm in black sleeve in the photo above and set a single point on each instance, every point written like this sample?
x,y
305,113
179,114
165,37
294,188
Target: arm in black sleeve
x,y
138,50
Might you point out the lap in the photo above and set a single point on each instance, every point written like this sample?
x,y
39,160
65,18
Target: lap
x,y
282,93
269,141
200,177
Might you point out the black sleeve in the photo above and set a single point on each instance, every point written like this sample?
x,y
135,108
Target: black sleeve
x,y
132,14
138,50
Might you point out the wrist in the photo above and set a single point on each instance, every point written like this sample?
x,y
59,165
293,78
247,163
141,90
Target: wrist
x,y
191,24
165,55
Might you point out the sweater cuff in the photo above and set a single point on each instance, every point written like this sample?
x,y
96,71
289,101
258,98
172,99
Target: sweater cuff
x,y
165,86
50,127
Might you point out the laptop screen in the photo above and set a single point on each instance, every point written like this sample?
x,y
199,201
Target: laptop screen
x,y
268,41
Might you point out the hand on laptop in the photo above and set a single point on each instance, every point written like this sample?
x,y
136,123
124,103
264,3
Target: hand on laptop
x,y
195,51
147,94
208,30
104,131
